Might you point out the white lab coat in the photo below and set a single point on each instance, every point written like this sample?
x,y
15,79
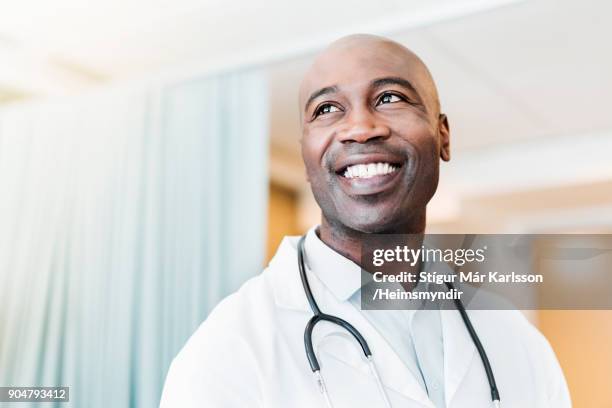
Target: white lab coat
x,y
250,353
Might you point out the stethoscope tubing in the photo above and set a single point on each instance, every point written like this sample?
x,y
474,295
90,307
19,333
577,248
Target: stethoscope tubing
x,y
319,316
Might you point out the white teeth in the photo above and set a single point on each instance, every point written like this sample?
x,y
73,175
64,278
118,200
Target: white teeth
x,y
369,170
362,170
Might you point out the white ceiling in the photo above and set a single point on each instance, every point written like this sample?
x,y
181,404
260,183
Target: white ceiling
x,y
65,46
507,69
118,38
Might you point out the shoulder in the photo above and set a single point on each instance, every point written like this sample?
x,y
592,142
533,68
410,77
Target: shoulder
x,y
219,356
245,313
228,323
513,326
506,319
514,336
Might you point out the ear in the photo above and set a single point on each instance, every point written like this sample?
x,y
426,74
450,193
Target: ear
x,y
444,132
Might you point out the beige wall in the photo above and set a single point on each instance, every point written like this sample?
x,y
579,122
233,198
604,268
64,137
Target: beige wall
x,y
582,340
282,217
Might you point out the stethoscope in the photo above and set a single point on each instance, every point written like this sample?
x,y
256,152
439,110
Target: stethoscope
x,y
319,316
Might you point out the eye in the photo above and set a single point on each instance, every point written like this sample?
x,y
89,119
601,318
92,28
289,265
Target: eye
x,y
389,98
325,109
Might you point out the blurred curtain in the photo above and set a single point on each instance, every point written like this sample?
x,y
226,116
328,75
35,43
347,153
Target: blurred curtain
x,y
125,216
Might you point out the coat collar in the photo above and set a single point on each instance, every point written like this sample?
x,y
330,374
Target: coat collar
x,y
326,269
284,278
341,276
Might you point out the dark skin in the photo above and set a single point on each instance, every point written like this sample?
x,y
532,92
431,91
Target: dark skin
x,y
368,100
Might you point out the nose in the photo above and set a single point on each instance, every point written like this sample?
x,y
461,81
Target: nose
x,y
362,126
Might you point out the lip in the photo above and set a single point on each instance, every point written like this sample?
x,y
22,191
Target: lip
x,y
371,185
368,158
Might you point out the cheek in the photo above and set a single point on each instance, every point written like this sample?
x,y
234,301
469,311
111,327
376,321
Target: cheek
x,y
429,162
311,163
427,144
417,130
314,145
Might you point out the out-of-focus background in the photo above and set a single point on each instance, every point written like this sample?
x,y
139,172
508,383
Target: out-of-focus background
x,y
150,163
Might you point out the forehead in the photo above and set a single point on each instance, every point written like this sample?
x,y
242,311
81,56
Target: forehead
x,y
357,64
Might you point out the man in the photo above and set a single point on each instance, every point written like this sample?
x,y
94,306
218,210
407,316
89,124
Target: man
x,y
373,135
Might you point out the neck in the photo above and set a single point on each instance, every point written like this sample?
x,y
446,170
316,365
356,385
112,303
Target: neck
x,y
348,242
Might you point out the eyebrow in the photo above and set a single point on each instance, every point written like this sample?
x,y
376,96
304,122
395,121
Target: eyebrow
x,y
323,91
379,82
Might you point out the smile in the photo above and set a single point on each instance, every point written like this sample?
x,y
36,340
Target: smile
x,y
372,172
371,178
369,170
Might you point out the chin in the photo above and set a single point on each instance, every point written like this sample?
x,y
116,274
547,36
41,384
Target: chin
x,y
387,219
372,222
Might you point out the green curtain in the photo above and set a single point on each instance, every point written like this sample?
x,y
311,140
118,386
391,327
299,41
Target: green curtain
x,y
125,216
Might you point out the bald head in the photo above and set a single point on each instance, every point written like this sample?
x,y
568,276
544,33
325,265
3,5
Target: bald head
x,y
372,137
371,53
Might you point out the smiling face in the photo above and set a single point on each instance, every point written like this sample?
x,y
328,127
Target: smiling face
x,y
372,135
